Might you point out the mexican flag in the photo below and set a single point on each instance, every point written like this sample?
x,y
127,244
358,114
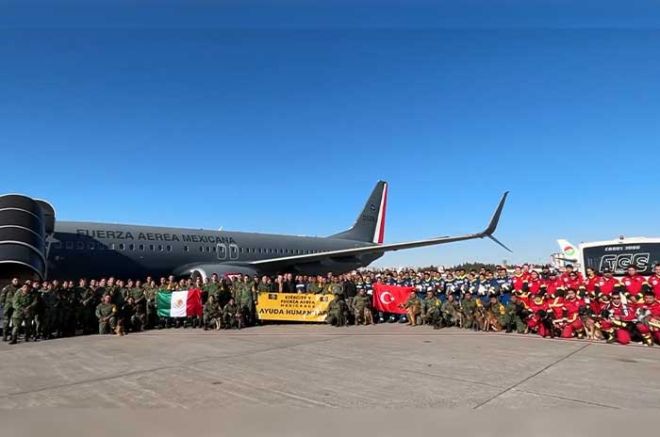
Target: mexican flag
x,y
183,303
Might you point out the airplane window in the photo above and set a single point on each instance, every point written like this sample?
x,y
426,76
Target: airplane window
x,y
141,247
169,248
121,246
80,245
57,245
160,247
151,247
213,248
90,246
281,251
69,245
101,246
186,248
131,247
112,246
201,249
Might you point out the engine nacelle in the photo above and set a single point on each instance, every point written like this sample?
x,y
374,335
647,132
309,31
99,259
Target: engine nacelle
x,y
206,270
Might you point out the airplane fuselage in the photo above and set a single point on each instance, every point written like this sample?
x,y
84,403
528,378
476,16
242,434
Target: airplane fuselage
x,y
81,249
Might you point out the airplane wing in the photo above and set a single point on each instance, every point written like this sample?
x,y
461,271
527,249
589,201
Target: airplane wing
x,y
381,248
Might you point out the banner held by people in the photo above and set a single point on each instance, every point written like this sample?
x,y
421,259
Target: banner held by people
x,y
293,307
390,298
181,303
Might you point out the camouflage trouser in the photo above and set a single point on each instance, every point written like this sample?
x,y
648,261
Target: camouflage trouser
x,y
6,318
17,320
111,323
138,321
151,314
363,315
336,319
468,321
432,317
451,317
511,322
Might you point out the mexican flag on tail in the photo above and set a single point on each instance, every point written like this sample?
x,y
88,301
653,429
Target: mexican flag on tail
x,y
183,303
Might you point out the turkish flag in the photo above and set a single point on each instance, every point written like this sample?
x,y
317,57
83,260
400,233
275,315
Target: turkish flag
x,y
387,298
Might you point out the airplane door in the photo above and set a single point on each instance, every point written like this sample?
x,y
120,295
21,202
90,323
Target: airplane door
x,y
222,252
233,251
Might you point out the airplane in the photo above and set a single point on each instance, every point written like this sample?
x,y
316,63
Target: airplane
x,y
34,244
569,252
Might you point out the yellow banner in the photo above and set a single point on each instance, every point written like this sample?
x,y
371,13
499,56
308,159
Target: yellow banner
x,y
293,306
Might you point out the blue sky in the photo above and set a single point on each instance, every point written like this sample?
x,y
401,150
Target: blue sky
x,y
281,117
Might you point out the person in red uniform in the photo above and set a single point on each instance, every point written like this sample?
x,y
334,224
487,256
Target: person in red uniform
x,y
654,281
648,318
565,277
574,281
526,271
571,323
632,283
591,281
607,283
551,284
616,317
518,278
532,285
538,319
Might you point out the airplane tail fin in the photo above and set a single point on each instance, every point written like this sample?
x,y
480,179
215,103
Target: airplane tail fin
x,y
370,224
568,250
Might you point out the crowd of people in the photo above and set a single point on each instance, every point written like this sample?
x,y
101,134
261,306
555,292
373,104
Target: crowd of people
x,y
543,302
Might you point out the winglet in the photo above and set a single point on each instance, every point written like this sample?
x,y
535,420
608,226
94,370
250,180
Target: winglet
x,y
492,226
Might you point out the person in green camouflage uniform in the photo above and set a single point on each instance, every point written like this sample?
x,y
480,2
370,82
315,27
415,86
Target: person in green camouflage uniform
x,y
106,313
361,308
229,315
468,307
431,310
211,313
245,299
514,315
88,304
450,311
337,311
6,302
24,304
414,307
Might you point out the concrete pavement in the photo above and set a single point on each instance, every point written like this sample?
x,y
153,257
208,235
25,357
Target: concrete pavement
x,y
296,366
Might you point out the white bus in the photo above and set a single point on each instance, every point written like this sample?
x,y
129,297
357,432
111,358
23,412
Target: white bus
x,y
616,255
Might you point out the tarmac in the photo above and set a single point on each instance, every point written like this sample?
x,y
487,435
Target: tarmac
x,y
389,366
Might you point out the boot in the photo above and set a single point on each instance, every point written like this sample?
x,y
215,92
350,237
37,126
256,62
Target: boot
x,y
14,338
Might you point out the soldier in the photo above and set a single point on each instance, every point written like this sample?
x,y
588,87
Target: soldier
x,y
48,302
337,311
414,308
316,286
450,311
88,304
515,315
431,309
244,299
230,315
6,302
23,304
361,309
213,286
263,286
211,314
106,313
150,305
468,307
